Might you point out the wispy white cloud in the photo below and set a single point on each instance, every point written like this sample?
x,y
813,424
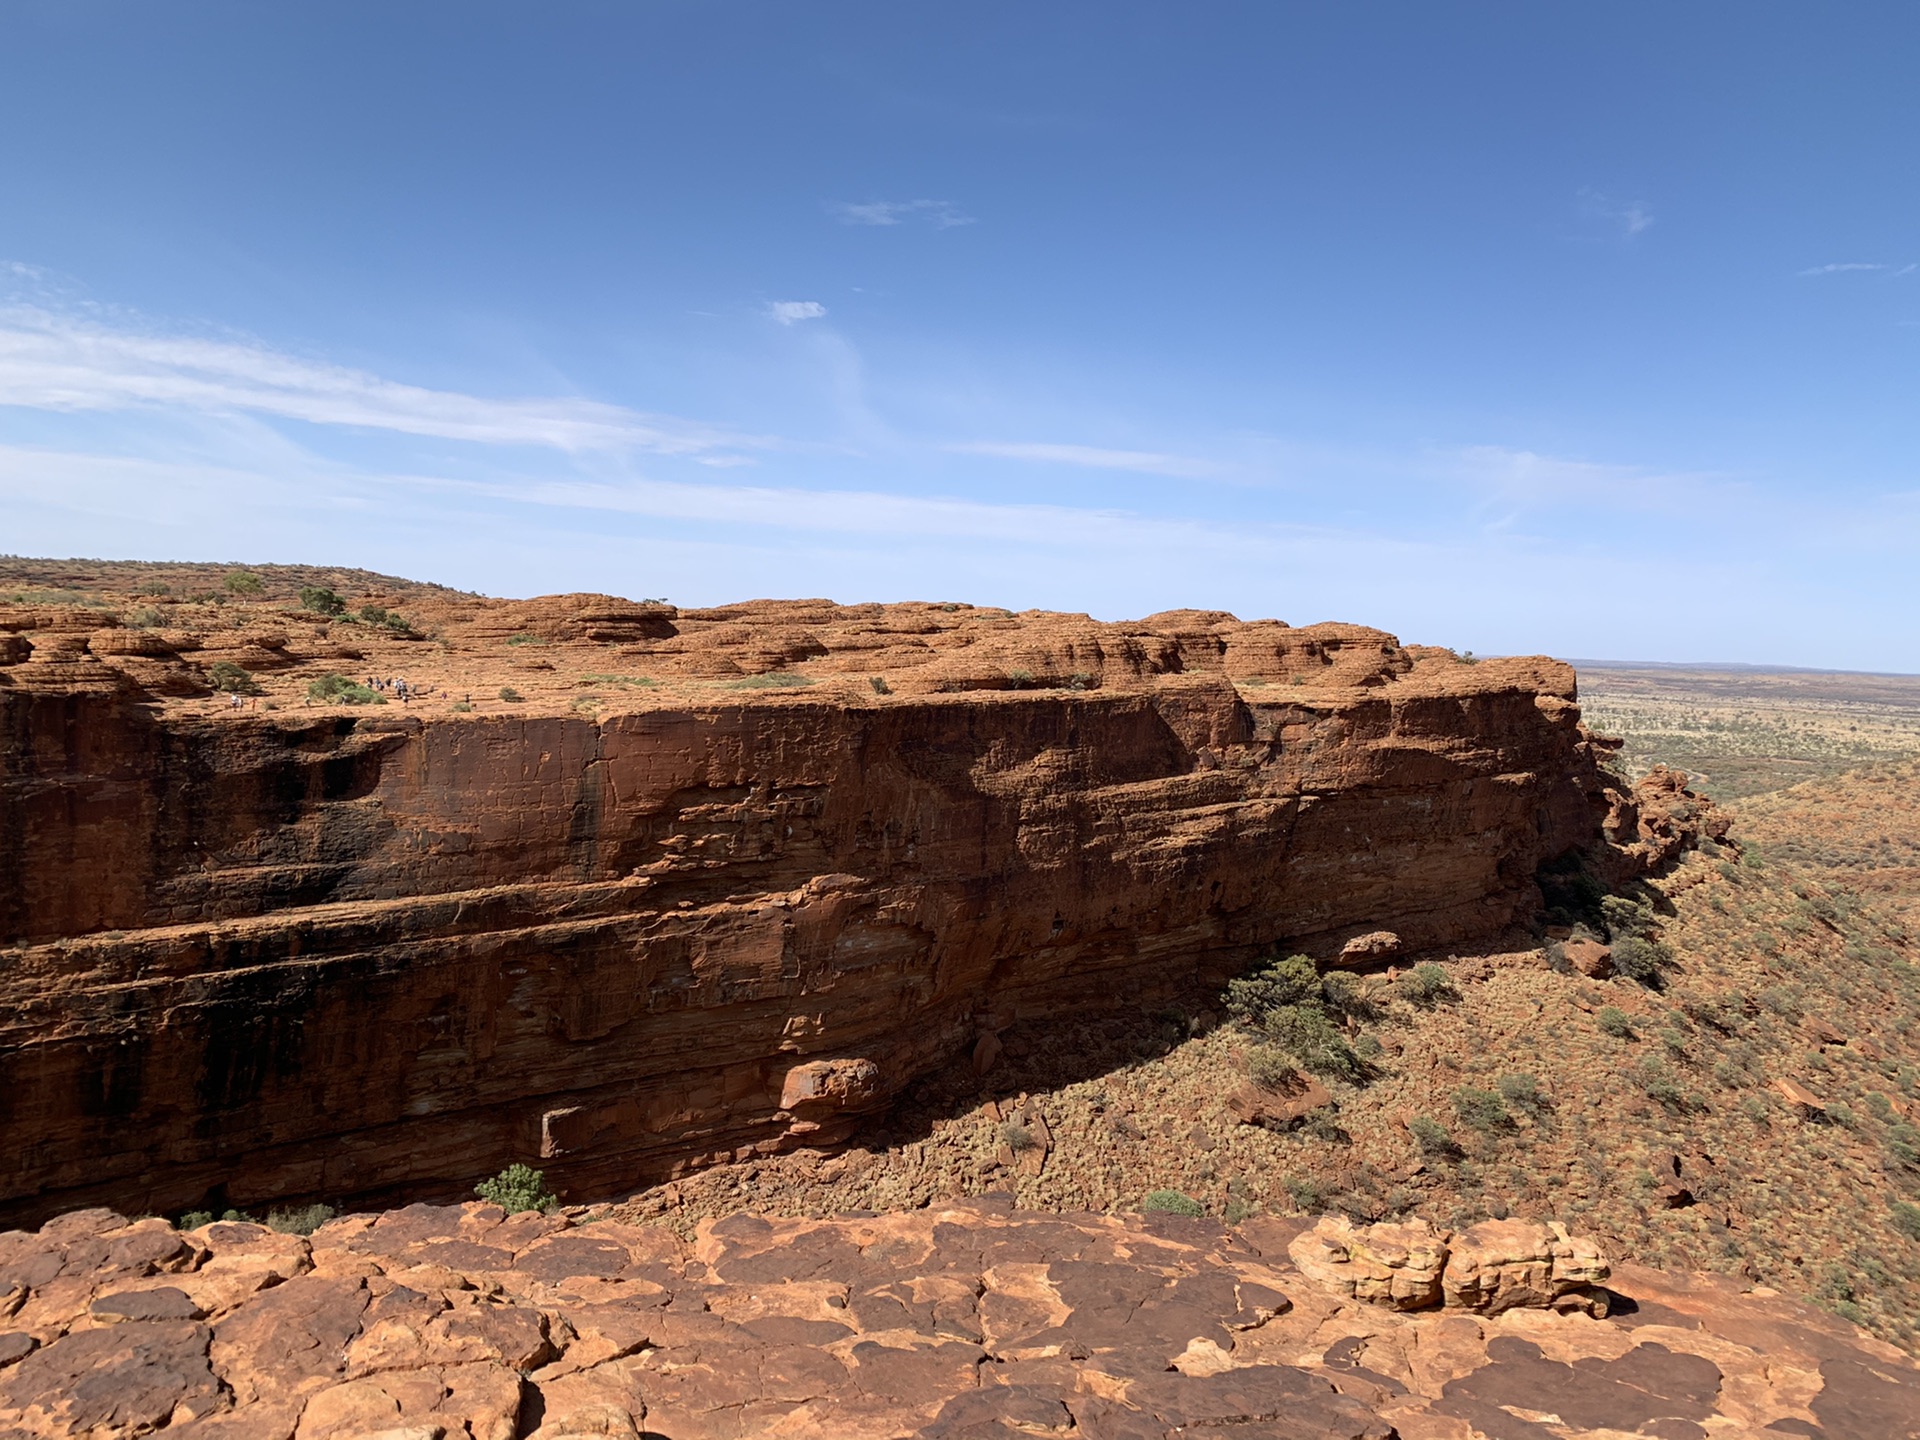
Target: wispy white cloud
x,y
941,214
60,362
1147,462
1630,217
1511,482
1845,266
792,312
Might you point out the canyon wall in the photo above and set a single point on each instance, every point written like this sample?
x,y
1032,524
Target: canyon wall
x,y
727,902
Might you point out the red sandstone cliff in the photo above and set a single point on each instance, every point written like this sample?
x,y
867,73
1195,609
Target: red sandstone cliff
x,y
708,889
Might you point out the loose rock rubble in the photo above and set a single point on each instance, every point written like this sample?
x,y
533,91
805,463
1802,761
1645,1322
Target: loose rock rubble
x,y
965,1321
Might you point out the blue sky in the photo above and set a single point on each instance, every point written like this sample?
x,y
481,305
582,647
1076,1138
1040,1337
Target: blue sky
x,y
1589,330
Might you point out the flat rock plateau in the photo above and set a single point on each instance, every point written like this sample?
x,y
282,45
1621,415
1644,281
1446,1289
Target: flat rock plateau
x,y
968,1320
852,973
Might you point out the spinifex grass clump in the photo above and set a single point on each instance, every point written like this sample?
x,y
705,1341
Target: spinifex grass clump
x,y
1172,1202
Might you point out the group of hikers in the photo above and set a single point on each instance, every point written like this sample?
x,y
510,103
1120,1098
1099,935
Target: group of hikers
x,y
401,689
397,686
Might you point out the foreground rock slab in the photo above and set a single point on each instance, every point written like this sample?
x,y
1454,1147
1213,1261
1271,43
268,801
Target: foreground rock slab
x,y
963,1321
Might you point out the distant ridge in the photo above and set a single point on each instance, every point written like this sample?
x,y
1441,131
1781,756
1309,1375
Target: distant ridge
x,y
1731,666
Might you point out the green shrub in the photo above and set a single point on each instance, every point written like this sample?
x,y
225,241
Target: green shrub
x,y
1017,1137
303,1220
639,680
1903,1144
1482,1109
1324,1124
1292,981
879,684
511,695
1637,958
1171,1202
335,689
1658,1081
1427,984
385,619
194,1219
1348,995
1906,1219
146,618
461,707
1431,1136
1268,1068
243,582
1023,680
1613,1021
231,679
321,600
1522,1092
516,1188
1308,1195
523,638
772,680
1287,1001
1306,1033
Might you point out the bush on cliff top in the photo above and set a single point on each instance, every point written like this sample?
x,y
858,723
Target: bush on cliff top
x,y
231,679
339,690
516,1188
321,600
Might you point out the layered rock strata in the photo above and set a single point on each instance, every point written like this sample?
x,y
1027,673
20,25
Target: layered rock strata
x,y
706,884
960,1322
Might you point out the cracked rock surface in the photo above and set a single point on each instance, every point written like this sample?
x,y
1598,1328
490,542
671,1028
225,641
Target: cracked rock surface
x,y
961,1321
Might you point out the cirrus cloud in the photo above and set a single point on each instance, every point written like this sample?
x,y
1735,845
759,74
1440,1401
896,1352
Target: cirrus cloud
x,y
792,312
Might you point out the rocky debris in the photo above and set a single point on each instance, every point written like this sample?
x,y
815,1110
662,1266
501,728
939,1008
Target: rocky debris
x,y
1591,958
1802,1101
1491,1267
1281,1104
1371,948
963,1321
1824,1032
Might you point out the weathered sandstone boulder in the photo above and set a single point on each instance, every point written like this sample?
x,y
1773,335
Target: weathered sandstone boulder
x,y
1396,1263
1500,1264
1494,1266
1280,1104
1591,958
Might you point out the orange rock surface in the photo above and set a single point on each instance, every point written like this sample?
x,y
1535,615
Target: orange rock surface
x,y
964,1321
708,884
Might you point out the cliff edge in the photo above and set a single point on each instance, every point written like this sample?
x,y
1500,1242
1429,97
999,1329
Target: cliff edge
x,y
621,890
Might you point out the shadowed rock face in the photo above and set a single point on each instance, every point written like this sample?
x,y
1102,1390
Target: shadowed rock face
x,y
347,954
964,1320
